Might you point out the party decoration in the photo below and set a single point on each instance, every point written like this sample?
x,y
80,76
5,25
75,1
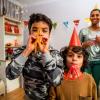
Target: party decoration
x,y
76,22
96,6
87,20
74,41
73,73
66,23
25,23
54,25
39,41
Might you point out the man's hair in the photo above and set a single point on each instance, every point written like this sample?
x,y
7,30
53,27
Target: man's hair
x,y
94,10
75,49
39,17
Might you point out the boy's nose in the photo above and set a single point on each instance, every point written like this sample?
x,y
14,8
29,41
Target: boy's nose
x,y
74,58
40,33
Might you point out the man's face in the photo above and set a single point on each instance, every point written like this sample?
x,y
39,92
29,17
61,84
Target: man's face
x,y
40,29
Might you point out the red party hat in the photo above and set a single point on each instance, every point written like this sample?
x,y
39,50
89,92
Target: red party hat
x,y
75,41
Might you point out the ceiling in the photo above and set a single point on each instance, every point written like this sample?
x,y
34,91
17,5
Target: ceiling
x,y
31,2
28,5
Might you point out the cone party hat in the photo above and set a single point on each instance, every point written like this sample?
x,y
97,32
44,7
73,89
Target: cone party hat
x,y
74,41
96,6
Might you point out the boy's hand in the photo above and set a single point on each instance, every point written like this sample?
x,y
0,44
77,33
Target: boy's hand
x,y
44,44
30,45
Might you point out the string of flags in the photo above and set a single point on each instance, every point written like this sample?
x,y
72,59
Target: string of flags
x,y
54,25
66,23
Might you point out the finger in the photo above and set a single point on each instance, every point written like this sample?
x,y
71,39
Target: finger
x,y
32,39
45,40
40,45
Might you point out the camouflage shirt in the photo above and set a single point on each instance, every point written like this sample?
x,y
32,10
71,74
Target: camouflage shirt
x,y
40,71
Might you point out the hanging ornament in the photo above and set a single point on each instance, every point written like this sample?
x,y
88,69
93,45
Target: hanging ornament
x,y
96,6
76,22
87,20
54,25
25,23
66,23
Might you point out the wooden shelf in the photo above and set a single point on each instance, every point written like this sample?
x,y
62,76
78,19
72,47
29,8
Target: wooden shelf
x,y
12,20
12,46
15,34
11,38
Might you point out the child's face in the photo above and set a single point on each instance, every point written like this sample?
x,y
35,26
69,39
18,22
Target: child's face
x,y
40,28
74,59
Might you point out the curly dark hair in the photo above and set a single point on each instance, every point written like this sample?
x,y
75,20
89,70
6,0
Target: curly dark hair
x,y
75,49
39,17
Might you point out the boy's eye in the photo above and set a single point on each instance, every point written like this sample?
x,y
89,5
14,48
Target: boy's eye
x,y
34,30
70,55
79,56
45,30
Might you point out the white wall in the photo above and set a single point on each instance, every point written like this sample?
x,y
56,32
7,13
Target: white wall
x,y
59,11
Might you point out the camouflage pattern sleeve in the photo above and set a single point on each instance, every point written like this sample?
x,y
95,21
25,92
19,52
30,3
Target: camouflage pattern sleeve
x,y
14,68
53,64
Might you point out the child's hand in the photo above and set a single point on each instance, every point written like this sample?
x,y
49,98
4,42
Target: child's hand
x,y
31,43
30,46
43,45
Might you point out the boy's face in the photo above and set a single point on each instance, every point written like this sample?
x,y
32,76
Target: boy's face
x,y
74,59
40,29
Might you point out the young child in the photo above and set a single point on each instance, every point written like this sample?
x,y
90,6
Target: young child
x,y
76,84
40,64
